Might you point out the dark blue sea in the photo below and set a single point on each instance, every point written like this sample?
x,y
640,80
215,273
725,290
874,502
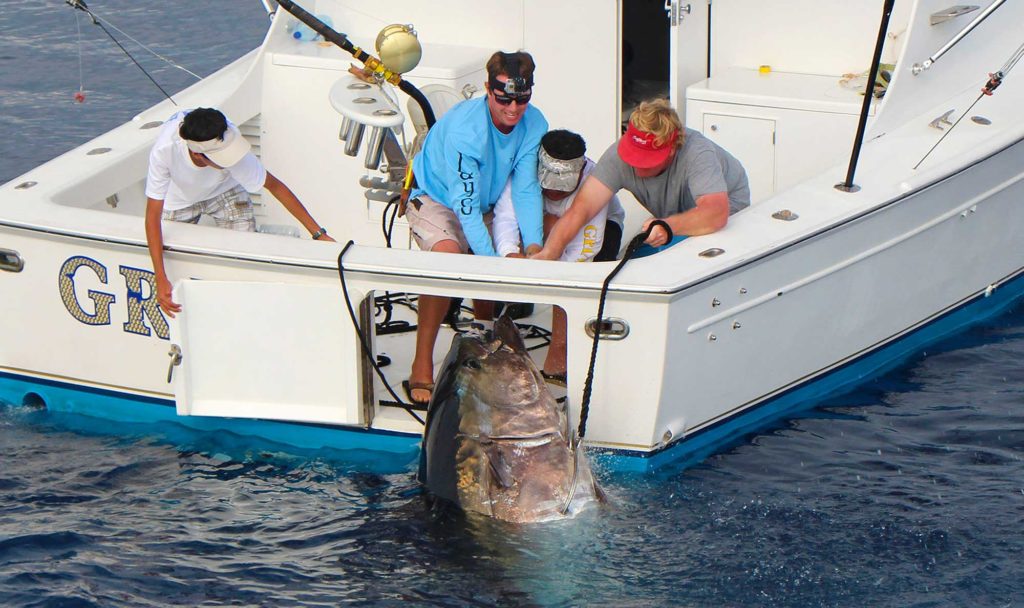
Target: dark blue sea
x,y
908,491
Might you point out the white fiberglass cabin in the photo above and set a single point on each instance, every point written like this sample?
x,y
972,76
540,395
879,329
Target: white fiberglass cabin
x,y
810,289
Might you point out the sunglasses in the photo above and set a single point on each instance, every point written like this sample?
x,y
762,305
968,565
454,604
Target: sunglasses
x,y
505,100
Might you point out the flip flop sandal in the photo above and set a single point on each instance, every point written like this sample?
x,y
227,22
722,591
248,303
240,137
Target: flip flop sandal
x,y
423,386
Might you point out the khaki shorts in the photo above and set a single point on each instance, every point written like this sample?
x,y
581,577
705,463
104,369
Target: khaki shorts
x,y
431,222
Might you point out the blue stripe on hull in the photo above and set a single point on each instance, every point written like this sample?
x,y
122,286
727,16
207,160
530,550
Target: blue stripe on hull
x,y
887,356
126,409
95,409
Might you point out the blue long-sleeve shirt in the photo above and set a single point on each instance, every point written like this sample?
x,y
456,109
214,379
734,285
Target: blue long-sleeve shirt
x,y
466,160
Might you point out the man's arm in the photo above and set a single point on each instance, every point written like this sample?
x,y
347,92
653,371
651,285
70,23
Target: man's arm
x,y
527,198
291,202
505,225
592,198
155,242
463,188
710,215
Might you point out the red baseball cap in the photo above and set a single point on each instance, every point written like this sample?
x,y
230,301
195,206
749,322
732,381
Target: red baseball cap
x,y
638,149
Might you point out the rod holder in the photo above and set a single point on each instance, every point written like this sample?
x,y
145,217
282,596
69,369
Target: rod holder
x,y
354,138
346,124
374,148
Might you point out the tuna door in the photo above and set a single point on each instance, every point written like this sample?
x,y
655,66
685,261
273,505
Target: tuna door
x,y
274,351
688,47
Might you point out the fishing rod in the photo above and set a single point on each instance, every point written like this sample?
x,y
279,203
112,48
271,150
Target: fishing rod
x,y
375,65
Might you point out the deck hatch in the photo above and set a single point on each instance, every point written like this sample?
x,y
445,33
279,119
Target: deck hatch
x,y
274,351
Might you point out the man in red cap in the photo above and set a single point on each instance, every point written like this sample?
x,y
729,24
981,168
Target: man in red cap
x,y
679,175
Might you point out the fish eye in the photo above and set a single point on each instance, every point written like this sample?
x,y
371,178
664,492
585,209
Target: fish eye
x,y
472,363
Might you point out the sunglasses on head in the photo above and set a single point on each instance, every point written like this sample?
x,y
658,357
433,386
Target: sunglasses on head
x,y
505,99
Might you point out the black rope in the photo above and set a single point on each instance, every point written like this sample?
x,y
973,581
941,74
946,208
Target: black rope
x,y
80,5
387,225
385,303
634,244
362,339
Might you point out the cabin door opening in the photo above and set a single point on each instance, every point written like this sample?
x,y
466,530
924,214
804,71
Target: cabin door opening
x,y
645,53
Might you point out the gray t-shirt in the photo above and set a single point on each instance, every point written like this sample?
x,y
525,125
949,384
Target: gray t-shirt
x,y
700,167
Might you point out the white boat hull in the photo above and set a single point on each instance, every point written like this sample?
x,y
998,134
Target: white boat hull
x,y
793,305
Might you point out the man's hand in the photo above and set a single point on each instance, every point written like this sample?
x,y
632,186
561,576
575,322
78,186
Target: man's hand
x,y
659,236
545,254
327,237
163,297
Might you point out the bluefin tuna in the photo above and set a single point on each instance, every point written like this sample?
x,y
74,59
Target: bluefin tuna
x,y
497,442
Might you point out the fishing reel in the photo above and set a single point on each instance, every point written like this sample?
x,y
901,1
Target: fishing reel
x,y
365,99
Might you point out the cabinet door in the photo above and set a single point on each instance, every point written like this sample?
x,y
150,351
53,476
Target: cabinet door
x,y
752,142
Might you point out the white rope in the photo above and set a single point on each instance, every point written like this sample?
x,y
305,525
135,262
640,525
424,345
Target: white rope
x,y
151,51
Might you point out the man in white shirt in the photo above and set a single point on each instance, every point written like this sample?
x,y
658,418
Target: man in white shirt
x,y
561,168
201,164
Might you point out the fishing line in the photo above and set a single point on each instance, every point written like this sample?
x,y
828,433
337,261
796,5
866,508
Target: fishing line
x,y
80,5
81,73
994,80
151,51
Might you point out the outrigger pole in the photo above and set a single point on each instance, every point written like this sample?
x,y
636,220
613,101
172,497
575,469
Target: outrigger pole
x,y
869,94
371,62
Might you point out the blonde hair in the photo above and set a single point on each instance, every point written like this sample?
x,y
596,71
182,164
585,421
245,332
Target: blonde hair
x,y
657,117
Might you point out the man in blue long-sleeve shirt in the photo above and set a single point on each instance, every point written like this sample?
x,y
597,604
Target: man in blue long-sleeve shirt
x,y
466,159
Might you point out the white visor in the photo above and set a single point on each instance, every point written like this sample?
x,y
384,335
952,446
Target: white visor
x,y
224,152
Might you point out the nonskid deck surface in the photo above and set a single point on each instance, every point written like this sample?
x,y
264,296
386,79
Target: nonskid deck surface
x,y
396,340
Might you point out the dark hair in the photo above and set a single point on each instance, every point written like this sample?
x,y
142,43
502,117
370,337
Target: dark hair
x,y
203,124
563,145
505,63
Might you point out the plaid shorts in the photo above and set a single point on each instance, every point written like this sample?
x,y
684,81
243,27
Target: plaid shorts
x,y
231,209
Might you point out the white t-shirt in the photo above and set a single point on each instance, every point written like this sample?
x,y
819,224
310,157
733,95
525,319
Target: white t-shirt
x,y
586,244
178,182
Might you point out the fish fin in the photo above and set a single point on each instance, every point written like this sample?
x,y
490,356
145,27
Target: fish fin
x,y
500,470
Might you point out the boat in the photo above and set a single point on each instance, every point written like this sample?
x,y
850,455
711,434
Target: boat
x,y
879,223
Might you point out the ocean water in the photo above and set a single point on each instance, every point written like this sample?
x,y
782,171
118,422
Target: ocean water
x,y
908,491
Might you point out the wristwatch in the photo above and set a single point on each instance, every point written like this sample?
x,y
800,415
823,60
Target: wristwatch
x,y
319,233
